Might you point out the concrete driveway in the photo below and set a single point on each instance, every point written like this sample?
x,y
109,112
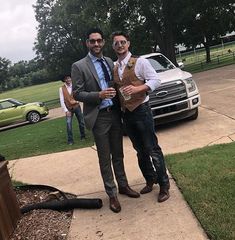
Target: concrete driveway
x,y
77,171
216,121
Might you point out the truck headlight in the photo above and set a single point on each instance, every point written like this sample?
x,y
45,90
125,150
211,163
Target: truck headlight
x,y
190,84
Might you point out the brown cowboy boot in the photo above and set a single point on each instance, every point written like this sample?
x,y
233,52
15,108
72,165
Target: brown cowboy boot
x,y
148,188
164,193
114,204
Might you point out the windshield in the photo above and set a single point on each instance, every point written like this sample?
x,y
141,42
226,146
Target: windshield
x,y
160,63
16,102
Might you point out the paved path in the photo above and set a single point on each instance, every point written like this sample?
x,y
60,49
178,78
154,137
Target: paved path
x,y
144,218
77,172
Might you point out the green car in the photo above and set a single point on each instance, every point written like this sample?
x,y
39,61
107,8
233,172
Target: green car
x,y
12,111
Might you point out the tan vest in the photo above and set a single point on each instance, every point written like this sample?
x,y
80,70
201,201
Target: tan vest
x,y
69,101
129,78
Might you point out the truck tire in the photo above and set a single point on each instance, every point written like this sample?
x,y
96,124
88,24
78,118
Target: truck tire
x,y
194,116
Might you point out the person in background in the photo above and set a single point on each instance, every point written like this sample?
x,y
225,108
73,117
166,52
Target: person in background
x,y
134,77
92,78
70,106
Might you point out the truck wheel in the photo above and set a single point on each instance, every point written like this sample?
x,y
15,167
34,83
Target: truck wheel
x,y
33,117
194,116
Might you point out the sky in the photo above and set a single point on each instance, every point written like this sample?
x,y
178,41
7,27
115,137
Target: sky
x,y
17,29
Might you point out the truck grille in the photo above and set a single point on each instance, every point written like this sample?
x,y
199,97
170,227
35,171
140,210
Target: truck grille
x,y
167,94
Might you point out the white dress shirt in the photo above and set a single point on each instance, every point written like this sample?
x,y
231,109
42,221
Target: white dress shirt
x,y
69,88
143,71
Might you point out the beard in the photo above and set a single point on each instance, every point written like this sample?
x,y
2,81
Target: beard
x,y
96,51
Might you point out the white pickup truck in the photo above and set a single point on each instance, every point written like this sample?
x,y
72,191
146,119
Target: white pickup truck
x,y
177,97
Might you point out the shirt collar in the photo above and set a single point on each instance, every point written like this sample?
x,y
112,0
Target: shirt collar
x,y
68,86
94,58
125,60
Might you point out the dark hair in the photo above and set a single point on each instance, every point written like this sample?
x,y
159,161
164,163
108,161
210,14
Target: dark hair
x,y
120,33
64,76
94,30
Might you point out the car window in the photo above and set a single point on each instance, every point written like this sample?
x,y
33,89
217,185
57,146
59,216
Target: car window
x,y
160,63
16,102
6,105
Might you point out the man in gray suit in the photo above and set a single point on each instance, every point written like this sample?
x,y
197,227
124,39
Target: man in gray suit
x,y
92,81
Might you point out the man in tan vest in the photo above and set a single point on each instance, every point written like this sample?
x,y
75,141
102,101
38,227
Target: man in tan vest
x,y
70,106
134,77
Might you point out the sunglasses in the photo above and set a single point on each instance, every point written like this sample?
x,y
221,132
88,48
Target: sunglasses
x,y
93,41
118,43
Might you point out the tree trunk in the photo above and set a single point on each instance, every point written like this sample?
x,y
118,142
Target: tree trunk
x,y
163,31
169,42
208,54
170,46
206,44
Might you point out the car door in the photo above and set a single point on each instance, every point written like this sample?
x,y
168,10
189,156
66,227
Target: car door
x,y
10,112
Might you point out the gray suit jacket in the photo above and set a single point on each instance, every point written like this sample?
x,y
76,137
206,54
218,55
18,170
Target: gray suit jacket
x,y
86,88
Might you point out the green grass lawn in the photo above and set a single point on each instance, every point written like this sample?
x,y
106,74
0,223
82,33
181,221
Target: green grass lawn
x,y
48,93
200,54
220,56
47,136
215,63
206,178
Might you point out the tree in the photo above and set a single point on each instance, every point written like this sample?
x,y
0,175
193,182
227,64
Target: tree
x,y
61,32
4,67
20,68
153,23
63,24
167,22
206,21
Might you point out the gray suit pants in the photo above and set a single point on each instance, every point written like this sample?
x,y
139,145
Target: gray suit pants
x,y
108,138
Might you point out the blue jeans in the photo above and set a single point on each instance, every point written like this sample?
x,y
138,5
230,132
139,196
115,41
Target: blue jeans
x,y
78,113
140,129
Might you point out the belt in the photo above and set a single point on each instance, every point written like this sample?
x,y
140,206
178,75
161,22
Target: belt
x,y
107,109
137,108
145,103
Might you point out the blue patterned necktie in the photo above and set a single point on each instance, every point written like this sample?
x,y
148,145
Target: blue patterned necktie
x,y
105,71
